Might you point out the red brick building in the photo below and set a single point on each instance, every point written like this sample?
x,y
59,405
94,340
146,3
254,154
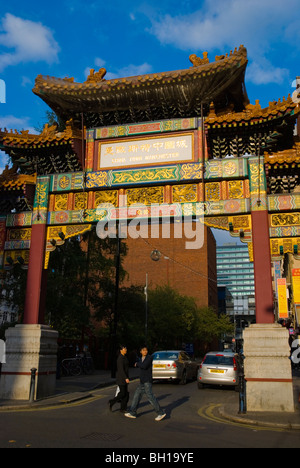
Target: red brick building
x,y
191,272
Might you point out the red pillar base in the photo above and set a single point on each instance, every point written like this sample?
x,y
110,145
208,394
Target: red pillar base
x,y
27,347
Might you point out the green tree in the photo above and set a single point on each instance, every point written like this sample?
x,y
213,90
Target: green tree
x,y
172,317
210,327
51,118
175,319
101,276
65,308
13,289
132,316
81,277
81,284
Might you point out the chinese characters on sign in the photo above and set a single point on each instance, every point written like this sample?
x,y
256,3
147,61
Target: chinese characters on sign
x,y
282,298
146,152
296,285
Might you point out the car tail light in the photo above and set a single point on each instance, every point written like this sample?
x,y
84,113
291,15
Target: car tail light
x,y
234,364
202,362
174,365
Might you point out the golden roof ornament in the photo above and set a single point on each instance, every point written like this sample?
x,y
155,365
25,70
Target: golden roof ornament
x,y
96,77
197,61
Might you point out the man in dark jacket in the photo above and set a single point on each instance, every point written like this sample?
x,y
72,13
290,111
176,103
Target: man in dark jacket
x,y
122,380
145,387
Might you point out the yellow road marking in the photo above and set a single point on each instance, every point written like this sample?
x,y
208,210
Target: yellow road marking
x,y
63,405
207,412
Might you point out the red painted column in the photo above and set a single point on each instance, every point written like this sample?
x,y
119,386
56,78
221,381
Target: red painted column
x,y
35,274
262,268
43,297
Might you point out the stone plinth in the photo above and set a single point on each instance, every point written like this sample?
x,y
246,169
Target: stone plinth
x,y
27,347
268,370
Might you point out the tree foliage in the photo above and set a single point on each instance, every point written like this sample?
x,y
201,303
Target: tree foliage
x,y
175,319
65,308
209,326
13,289
81,281
51,118
171,317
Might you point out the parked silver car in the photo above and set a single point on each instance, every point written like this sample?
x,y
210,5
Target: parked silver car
x,y
174,365
218,368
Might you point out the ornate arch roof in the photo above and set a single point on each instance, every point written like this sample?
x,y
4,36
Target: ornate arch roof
x,y
149,97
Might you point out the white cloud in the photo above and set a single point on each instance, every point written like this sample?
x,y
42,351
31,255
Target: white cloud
x,y
27,41
4,161
99,62
130,70
26,81
221,25
264,73
10,122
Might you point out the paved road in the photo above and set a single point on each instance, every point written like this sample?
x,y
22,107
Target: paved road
x,y
192,422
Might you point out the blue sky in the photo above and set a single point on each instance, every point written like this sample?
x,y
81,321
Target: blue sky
x,y
68,37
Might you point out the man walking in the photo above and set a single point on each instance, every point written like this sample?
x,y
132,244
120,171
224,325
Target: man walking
x,y
122,380
145,387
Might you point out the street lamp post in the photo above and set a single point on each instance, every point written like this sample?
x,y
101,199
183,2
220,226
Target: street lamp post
x,y
116,307
146,309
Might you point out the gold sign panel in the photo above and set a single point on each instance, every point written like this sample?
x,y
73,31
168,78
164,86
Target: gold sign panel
x,y
166,149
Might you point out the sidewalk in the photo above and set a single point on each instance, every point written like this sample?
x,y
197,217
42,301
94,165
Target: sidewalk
x,y
280,421
69,390
72,389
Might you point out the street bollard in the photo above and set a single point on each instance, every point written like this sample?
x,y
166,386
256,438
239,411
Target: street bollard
x,y
32,384
242,385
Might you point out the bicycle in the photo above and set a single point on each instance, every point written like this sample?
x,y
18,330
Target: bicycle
x,y
78,366
71,367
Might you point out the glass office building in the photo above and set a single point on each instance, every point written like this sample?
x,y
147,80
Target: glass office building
x,y
234,270
235,275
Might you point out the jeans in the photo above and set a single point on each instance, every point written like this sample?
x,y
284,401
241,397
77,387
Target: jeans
x,y
145,388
